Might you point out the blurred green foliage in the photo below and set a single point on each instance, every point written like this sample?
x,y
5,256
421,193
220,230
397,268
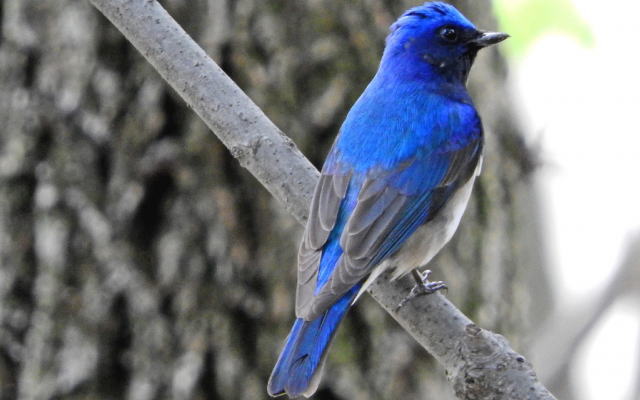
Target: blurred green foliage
x,y
527,20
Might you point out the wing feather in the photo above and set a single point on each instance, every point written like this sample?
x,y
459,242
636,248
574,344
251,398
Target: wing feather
x,y
390,206
323,214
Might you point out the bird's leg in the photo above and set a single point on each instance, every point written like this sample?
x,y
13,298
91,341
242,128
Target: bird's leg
x,y
422,287
422,282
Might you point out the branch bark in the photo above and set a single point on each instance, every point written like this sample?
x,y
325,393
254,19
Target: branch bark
x,y
480,364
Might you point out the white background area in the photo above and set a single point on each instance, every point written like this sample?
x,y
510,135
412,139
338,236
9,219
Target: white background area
x,y
582,105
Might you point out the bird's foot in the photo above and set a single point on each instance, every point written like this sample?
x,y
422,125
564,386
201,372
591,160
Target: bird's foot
x,y
423,286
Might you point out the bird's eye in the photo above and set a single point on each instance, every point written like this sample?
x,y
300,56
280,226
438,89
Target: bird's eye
x,y
449,34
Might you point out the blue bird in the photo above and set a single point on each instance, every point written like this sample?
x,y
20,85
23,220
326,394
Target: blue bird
x,y
394,185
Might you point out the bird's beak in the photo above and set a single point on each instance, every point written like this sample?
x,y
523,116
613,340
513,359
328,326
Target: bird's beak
x,y
489,38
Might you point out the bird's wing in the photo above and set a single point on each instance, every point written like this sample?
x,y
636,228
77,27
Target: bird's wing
x,y
390,206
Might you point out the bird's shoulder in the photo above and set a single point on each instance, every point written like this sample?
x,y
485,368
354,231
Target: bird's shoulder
x,y
387,127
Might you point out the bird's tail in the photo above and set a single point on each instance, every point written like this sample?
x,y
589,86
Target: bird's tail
x,y
299,368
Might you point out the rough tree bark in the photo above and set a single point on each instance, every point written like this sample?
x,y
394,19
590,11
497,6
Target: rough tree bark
x,y
139,261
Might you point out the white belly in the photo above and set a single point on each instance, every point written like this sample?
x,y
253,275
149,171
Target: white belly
x,y
431,237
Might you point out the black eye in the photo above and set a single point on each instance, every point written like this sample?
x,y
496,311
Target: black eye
x,y
449,34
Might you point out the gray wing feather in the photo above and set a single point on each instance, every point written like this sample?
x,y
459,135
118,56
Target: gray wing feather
x,y
323,214
359,248
368,227
320,220
378,209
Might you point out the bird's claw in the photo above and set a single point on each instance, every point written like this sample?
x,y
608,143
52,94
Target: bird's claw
x,y
423,286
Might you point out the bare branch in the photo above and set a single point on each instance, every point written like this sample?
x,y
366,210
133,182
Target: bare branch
x,y
250,136
480,363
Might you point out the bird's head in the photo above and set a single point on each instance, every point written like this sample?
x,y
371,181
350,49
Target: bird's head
x,y
435,38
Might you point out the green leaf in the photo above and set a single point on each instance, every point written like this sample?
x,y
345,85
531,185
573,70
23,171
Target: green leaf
x,y
527,20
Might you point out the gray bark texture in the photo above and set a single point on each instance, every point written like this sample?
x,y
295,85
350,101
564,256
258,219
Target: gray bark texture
x,y
138,260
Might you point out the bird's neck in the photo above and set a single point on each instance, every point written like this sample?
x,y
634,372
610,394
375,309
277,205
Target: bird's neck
x,y
408,69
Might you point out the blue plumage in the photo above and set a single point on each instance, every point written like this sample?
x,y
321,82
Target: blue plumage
x,y
394,185
300,364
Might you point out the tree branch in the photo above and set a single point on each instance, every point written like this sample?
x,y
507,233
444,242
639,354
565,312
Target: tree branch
x,y
480,363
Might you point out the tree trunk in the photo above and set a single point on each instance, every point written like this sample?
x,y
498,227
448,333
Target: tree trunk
x,y
138,260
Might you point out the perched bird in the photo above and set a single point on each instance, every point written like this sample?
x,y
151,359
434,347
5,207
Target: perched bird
x,y
394,185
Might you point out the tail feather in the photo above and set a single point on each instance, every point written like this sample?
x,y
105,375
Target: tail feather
x,y
299,367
